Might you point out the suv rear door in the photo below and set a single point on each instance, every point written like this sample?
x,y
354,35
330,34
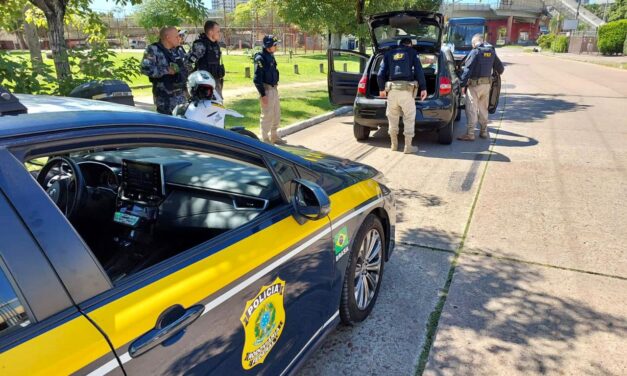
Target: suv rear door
x,y
424,28
495,92
344,73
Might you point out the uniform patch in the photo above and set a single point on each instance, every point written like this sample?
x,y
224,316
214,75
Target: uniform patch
x,y
340,243
263,320
398,56
487,54
259,64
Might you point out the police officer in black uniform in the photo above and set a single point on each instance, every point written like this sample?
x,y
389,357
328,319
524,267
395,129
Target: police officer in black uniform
x,y
400,77
205,54
266,80
476,83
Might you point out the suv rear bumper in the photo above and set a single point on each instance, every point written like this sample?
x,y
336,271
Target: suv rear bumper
x,y
431,114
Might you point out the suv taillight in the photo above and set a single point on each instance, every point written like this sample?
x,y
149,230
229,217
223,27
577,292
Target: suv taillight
x,y
363,83
445,85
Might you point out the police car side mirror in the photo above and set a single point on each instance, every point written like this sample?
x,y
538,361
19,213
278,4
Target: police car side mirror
x,y
310,201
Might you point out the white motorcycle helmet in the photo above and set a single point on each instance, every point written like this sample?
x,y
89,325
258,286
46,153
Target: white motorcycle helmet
x,y
201,85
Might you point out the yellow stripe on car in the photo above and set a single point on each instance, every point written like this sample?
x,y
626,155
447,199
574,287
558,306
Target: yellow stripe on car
x,y
130,316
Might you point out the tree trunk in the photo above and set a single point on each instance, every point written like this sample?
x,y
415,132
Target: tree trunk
x,y
362,45
57,44
32,40
20,39
336,40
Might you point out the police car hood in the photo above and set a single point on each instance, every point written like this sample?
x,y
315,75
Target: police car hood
x,y
339,165
424,29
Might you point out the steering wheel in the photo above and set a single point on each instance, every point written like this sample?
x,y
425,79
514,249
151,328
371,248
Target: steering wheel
x,y
63,181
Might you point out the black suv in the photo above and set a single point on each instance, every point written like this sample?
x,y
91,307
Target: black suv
x,y
358,85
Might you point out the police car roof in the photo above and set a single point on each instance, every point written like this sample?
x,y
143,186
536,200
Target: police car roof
x,y
50,114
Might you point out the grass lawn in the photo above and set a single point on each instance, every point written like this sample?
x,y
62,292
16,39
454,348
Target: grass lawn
x,y
297,104
308,66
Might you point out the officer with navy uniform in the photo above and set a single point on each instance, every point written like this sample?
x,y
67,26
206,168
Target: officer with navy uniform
x,y
166,71
206,55
266,80
400,77
476,83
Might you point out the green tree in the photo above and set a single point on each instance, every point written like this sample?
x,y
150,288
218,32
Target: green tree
x,y
618,11
155,14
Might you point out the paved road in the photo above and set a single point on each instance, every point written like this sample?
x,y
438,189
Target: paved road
x,y
513,252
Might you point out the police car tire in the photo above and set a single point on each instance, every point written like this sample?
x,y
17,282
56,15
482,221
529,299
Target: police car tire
x,y
361,133
246,132
349,311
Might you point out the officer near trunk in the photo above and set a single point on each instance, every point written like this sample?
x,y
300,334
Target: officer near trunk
x,y
401,76
166,71
206,55
266,80
476,82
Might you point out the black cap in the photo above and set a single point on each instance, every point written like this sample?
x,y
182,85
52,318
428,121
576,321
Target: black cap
x,y
270,40
406,41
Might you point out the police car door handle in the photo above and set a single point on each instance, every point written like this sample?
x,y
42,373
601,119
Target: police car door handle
x,y
171,322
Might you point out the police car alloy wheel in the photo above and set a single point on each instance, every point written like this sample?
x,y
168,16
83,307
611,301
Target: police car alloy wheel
x,y
364,272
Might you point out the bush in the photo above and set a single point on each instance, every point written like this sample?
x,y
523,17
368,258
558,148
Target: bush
x,y
19,75
560,44
612,37
545,41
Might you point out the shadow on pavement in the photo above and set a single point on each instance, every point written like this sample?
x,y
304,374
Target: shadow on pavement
x,y
527,108
500,310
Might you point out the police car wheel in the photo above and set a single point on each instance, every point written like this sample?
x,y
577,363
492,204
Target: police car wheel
x,y
361,133
364,272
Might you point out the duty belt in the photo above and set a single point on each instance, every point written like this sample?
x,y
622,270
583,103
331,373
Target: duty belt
x,y
401,85
479,81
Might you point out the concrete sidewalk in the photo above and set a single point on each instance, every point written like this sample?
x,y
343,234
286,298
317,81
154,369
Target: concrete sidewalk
x,y
609,61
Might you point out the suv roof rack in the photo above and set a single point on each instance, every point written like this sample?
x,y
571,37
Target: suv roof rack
x,y
9,104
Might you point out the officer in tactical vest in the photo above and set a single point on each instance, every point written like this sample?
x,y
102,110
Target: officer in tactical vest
x,y
476,83
205,54
166,70
266,80
400,77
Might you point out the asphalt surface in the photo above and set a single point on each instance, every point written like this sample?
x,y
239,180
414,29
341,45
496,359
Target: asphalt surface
x,y
512,255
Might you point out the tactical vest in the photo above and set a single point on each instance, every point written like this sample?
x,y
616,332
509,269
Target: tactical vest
x,y
171,81
211,60
400,62
485,62
271,73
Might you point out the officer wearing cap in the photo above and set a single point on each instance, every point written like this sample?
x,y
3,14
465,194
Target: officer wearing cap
x,y
206,55
476,83
166,71
266,80
400,77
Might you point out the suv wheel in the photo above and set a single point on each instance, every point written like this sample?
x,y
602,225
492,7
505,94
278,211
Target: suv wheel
x,y
445,134
361,133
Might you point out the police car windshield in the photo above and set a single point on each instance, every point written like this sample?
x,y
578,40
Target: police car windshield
x,y
461,35
420,34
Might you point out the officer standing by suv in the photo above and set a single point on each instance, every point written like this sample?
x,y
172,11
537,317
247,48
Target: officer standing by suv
x,y
476,82
206,55
166,71
401,75
266,80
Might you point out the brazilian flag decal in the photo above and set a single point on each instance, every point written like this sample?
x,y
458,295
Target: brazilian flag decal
x,y
340,241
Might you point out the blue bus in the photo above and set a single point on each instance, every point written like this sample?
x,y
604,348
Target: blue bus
x,y
459,33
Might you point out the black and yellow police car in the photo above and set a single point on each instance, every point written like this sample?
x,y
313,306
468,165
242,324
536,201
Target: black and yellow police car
x,y
141,244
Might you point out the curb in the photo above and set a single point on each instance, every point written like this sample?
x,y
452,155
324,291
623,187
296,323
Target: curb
x,y
296,127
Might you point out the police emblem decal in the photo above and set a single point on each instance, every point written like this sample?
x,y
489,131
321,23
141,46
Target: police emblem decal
x,y
263,320
398,56
340,243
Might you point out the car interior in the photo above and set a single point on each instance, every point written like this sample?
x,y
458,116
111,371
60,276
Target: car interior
x,y
138,206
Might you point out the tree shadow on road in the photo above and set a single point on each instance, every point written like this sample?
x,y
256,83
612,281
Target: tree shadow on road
x,y
526,108
508,312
